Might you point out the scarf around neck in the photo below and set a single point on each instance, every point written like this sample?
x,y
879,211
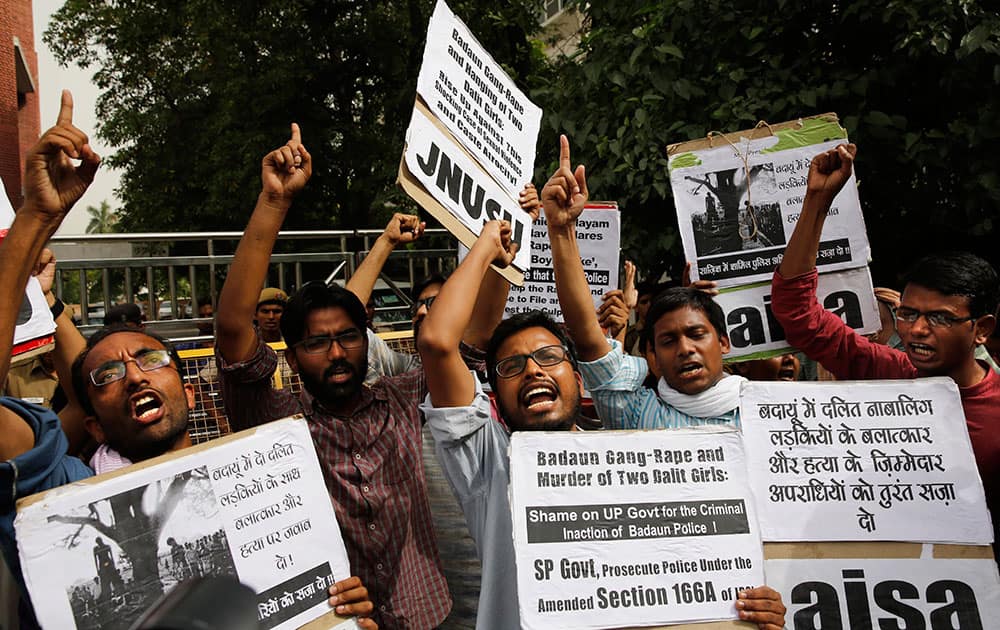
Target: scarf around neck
x,y
716,401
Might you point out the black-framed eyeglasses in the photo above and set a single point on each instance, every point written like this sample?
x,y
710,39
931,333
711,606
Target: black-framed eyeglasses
x,y
347,340
935,319
545,356
112,371
424,302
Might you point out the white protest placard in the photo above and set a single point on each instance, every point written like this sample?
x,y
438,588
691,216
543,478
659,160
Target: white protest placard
x,y
863,461
468,91
598,234
639,528
735,233
35,326
254,506
854,593
754,333
455,181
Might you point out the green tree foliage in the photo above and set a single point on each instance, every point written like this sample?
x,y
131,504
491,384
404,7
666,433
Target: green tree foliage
x,y
195,92
102,219
914,82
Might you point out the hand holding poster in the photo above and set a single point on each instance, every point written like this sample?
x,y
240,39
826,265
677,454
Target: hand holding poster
x,y
617,529
863,461
598,234
253,505
738,198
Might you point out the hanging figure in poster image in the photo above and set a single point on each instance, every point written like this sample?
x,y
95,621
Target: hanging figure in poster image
x,y
737,215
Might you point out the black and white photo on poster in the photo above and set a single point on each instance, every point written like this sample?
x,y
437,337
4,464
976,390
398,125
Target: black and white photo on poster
x,y
123,552
253,505
740,211
737,204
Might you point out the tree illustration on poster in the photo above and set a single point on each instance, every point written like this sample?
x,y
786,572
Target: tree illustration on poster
x,y
148,561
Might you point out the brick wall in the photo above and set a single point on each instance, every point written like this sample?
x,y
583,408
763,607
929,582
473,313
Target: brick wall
x,y
19,121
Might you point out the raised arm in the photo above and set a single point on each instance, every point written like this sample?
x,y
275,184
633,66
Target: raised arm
x,y
612,315
448,379
563,198
69,344
283,173
828,173
402,228
52,184
492,298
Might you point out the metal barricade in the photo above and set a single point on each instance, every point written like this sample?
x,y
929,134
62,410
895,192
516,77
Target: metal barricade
x,y
169,287
208,420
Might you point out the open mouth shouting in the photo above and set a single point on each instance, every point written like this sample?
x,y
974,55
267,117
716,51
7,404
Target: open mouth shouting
x,y
920,351
339,372
146,406
786,374
539,397
690,370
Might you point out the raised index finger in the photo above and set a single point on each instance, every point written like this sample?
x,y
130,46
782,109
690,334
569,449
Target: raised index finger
x,y
65,109
296,133
564,152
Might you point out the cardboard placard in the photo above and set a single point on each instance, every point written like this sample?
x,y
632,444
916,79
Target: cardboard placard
x,y
735,217
631,528
893,585
460,185
470,147
755,334
33,333
469,92
253,505
863,461
598,233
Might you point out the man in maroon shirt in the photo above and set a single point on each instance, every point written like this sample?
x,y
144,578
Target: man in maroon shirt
x,y
368,439
948,307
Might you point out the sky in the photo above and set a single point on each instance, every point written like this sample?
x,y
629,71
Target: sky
x,y
51,80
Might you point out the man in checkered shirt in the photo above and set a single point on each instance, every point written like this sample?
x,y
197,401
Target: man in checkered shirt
x,y
368,438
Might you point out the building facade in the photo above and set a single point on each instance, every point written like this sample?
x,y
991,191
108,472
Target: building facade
x,y
19,111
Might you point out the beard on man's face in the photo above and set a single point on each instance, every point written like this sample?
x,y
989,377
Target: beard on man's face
x,y
332,394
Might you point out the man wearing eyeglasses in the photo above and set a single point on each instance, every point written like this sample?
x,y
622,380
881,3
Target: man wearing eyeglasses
x,y
532,373
947,309
126,380
367,438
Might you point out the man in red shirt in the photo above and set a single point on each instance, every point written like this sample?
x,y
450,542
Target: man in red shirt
x,y
948,307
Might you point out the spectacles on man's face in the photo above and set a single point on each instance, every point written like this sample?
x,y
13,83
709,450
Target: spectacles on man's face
x,y
426,302
545,356
935,319
347,340
112,371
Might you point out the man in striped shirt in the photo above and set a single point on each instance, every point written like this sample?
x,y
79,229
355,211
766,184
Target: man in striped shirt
x,y
684,326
